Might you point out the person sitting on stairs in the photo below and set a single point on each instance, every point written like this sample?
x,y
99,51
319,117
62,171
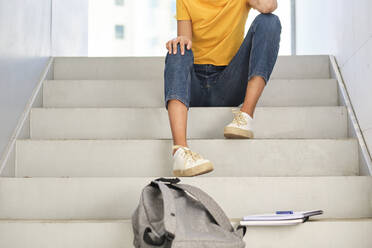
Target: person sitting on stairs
x,y
211,64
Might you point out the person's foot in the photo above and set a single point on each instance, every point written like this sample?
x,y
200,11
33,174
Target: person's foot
x,y
187,163
240,127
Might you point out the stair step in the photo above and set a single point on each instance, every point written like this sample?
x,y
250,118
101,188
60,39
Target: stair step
x,y
238,158
204,123
150,93
119,234
116,198
287,67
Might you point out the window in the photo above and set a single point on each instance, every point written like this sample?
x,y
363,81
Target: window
x,y
154,4
119,2
154,42
173,6
119,32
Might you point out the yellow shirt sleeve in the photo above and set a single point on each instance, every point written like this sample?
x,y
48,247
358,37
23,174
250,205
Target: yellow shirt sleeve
x,y
182,12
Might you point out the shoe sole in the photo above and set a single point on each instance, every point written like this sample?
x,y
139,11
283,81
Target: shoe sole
x,y
237,133
194,171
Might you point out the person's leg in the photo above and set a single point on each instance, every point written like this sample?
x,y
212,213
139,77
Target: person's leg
x,y
243,80
254,90
177,113
180,83
263,56
177,84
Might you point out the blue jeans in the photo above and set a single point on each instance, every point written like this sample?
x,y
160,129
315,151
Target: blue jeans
x,y
207,85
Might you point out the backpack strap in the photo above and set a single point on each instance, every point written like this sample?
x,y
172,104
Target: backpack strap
x,y
169,208
241,230
213,208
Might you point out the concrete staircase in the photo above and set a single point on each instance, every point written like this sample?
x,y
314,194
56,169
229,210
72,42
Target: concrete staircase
x,y
91,151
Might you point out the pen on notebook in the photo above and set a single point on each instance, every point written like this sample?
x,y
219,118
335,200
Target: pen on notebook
x,y
284,212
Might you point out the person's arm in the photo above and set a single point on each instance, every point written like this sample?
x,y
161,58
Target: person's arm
x,y
184,37
263,6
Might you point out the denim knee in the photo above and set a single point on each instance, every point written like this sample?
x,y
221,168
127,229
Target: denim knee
x,y
268,23
177,76
266,29
178,56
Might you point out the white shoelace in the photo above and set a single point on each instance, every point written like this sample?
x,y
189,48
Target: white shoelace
x,y
188,154
239,118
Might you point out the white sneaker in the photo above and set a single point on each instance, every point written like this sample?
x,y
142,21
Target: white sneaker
x,y
240,127
187,163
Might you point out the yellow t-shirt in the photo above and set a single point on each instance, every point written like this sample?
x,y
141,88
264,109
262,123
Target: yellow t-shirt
x,y
217,26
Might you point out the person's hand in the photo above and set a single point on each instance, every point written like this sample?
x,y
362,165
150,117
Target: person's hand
x,y
183,40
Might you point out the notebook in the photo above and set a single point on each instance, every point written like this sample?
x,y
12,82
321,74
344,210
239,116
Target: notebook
x,y
272,222
279,218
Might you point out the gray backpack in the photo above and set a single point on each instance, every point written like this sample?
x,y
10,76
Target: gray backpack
x,y
176,215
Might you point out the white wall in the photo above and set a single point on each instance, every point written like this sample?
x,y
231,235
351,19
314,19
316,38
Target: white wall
x,y
30,32
342,28
24,50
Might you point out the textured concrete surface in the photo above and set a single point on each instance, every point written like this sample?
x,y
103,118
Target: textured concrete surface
x,y
345,33
113,198
287,67
238,158
118,234
150,93
204,123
